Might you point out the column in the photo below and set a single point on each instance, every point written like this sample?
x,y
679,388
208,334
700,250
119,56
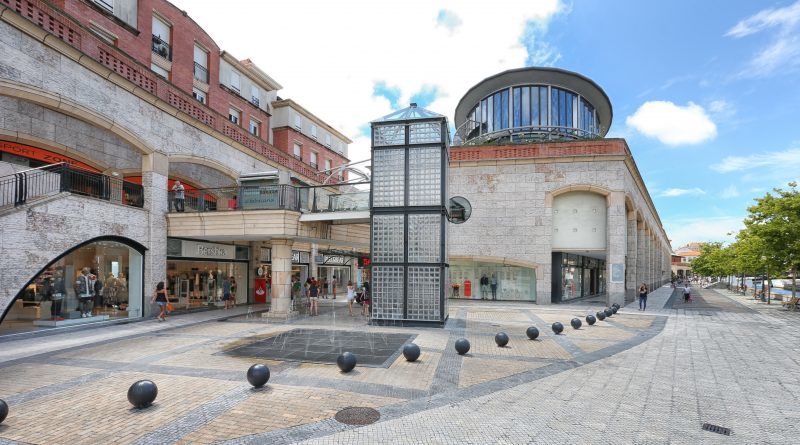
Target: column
x,y
312,261
630,263
155,171
281,278
616,247
640,256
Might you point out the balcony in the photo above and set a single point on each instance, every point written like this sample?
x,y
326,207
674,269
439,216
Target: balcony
x,y
200,73
255,101
162,48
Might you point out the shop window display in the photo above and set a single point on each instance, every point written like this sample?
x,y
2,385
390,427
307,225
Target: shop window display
x,y
195,284
512,282
95,282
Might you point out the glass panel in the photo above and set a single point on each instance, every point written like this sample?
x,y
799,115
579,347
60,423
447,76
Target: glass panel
x,y
194,284
484,117
388,238
490,115
388,178
424,293
516,107
425,176
543,114
536,118
562,108
512,282
423,238
498,112
425,132
387,292
524,106
389,135
504,108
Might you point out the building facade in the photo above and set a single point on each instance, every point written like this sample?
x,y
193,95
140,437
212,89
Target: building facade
x,y
558,212
106,106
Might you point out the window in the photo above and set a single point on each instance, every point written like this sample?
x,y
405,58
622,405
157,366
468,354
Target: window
x,y
313,131
298,121
339,147
328,140
235,81
161,38
298,151
313,159
255,95
200,64
255,127
199,95
103,34
328,164
160,71
108,5
234,115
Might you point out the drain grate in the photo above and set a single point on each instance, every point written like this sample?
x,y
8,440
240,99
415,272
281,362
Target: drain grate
x,y
716,429
357,415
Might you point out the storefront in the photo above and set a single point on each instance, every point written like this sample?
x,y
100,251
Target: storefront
x,y
514,283
334,268
197,271
364,271
110,270
577,277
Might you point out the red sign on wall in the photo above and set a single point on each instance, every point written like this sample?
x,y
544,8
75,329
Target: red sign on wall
x,y
39,154
260,291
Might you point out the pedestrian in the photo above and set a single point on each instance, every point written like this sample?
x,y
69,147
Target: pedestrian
x,y
642,297
226,292
367,299
178,190
493,285
313,297
687,293
351,295
325,288
484,287
160,298
334,284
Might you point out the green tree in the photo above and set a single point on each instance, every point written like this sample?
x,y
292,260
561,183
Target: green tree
x,y
775,219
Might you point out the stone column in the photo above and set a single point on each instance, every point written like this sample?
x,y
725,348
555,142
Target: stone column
x,y
631,264
281,279
312,262
640,256
155,171
616,247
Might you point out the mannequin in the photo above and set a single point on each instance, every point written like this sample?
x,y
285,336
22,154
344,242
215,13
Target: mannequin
x,y
211,291
59,292
84,289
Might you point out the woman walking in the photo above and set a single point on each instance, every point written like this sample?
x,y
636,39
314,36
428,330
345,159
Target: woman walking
x,y
642,297
367,299
226,292
313,297
351,295
160,298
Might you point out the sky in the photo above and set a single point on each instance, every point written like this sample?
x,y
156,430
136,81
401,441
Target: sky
x,y
707,94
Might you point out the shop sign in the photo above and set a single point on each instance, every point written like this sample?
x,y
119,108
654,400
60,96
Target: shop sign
x,y
266,255
39,154
300,257
334,259
196,249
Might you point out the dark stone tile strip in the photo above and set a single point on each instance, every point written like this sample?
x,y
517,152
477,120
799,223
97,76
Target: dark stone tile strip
x,y
391,412
445,377
58,387
562,339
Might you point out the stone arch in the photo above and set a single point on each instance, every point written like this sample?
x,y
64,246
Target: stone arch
x,y
71,108
208,162
580,218
55,147
548,198
35,271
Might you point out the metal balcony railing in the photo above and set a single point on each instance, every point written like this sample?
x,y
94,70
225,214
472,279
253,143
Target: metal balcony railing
x,y
21,187
162,48
476,133
200,73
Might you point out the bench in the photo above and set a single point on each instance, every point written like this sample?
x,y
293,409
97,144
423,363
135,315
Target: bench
x,y
791,304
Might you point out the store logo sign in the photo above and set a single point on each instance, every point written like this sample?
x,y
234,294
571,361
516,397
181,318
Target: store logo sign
x,y
194,249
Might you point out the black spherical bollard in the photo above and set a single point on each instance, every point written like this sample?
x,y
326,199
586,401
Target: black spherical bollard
x,y
501,339
614,309
3,410
558,328
608,312
258,375
142,393
462,346
590,319
346,361
576,323
411,352
532,332
616,305
601,315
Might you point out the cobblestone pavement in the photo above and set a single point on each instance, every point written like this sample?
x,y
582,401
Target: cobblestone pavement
x,y
639,377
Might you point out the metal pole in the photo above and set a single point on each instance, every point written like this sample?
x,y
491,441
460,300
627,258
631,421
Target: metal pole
x,y
768,286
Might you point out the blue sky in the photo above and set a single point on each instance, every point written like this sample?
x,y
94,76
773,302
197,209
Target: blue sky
x,y
705,93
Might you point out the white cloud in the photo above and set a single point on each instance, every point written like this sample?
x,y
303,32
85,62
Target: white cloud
x,y
328,55
674,192
707,228
673,124
721,107
782,54
730,192
783,160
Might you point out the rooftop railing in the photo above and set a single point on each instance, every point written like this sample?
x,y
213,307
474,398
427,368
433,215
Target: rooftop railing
x,y
475,133
24,186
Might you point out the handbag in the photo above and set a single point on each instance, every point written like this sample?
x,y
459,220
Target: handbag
x,y
170,308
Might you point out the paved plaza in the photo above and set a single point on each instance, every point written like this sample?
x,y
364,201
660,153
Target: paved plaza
x,y
638,377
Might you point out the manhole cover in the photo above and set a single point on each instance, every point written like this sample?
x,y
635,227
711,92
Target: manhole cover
x,y
358,415
716,429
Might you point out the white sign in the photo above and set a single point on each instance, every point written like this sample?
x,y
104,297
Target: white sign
x,y
617,273
196,249
266,254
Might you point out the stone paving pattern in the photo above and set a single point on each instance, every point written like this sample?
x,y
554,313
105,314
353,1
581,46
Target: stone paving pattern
x,y
650,377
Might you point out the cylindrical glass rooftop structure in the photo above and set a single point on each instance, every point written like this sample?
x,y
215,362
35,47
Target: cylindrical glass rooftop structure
x,y
531,105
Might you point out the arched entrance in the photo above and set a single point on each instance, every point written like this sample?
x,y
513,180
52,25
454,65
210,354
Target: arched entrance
x,y
97,280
